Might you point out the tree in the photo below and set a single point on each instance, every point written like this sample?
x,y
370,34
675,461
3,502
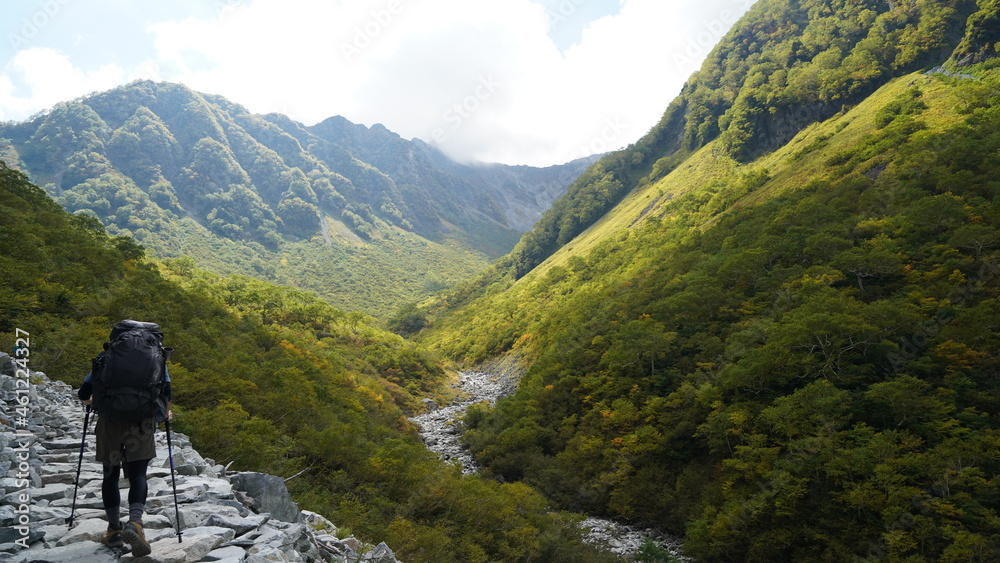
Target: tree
x,y
874,259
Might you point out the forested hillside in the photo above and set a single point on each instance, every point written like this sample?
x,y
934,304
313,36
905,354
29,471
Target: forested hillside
x,y
270,379
359,215
783,66
774,332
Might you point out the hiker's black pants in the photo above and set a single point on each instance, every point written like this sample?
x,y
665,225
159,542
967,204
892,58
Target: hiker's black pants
x,y
137,489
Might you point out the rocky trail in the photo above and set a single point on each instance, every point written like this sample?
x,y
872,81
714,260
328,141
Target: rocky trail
x,y
441,430
228,517
225,516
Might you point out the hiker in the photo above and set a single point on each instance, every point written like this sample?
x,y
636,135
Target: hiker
x,y
121,441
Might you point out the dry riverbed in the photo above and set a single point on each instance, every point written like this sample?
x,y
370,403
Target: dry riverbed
x,y
441,430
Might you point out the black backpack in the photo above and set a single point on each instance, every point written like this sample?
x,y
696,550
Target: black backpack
x,y
130,375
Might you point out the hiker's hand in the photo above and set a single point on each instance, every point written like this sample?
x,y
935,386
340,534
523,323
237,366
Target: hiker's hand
x,y
89,401
170,416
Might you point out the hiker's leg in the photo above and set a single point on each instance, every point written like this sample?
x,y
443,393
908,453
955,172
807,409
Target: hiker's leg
x,y
110,494
137,489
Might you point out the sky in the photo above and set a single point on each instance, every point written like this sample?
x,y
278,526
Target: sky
x,y
535,82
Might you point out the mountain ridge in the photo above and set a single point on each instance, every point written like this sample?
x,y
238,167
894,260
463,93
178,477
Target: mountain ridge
x,y
195,174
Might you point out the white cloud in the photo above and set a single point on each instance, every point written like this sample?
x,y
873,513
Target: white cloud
x,y
47,77
482,78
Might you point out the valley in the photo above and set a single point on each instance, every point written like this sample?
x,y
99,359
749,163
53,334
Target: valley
x,y
767,328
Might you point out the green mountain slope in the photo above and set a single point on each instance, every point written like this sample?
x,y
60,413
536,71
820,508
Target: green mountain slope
x,y
786,352
361,216
783,66
270,379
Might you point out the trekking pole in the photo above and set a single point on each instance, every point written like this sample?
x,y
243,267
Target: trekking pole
x,y
79,464
173,479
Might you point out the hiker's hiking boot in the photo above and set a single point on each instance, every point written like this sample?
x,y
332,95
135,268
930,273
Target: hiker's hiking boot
x,y
135,538
113,538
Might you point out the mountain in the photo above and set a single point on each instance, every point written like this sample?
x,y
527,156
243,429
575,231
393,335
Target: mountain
x,y
514,195
264,378
781,68
360,215
770,325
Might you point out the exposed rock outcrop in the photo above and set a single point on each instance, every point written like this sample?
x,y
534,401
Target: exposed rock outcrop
x,y
237,518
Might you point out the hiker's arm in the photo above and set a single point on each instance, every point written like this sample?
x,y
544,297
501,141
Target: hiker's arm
x,y
86,390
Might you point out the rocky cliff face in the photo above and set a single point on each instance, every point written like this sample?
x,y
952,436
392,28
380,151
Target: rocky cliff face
x,y
225,517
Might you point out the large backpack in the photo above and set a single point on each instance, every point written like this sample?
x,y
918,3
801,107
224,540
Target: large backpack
x,y
130,375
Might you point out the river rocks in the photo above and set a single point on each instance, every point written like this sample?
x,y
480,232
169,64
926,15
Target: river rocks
x,y
39,453
441,430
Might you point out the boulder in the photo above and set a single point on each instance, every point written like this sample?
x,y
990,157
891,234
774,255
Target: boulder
x,y
7,366
226,554
80,552
269,494
381,554
92,529
191,548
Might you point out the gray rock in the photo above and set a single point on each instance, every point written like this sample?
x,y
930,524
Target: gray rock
x,y
55,491
52,533
80,552
86,477
156,522
191,548
7,366
71,444
11,534
228,554
91,529
317,522
238,524
269,538
381,554
269,493
225,533
42,513
194,515
160,533
268,556
7,515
